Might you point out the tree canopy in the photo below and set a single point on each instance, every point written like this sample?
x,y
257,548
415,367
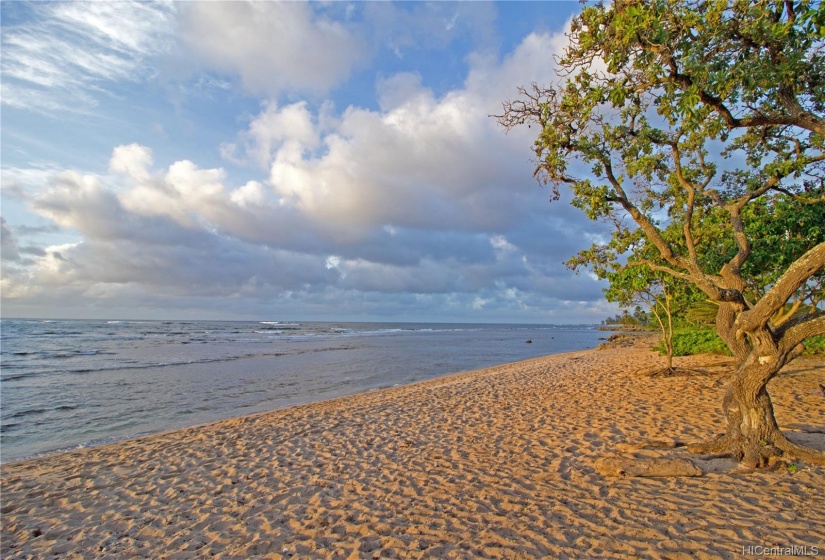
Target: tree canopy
x,y
697,128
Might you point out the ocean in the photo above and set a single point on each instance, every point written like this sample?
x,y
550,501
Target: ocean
x,y
71,384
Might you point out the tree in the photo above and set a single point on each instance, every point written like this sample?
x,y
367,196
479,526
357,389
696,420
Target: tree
x,y
678,117
664,295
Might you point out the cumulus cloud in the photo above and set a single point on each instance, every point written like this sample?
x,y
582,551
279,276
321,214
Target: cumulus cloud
x,y
420,161
422,164
422,203
270,130
271,46
133,160
531,61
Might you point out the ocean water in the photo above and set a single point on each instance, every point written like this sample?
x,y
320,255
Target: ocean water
x,y
71,384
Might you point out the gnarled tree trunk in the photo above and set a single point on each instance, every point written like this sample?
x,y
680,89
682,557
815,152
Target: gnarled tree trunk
x,y
761,350
726,329
753,436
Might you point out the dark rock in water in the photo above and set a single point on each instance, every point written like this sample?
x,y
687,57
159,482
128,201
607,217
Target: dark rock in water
x,y
529,341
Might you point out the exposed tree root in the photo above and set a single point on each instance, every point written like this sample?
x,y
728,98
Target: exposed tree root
x,y
656,467
792,450
668,372
769,453
719,444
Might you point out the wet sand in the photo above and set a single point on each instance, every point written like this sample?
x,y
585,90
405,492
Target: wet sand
x,y
496,463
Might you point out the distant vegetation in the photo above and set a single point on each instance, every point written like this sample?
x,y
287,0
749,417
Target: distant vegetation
x,y
692,337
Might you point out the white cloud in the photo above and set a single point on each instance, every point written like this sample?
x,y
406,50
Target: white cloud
x,y
23,182
500,242
186,194
533,60
272,46
132,160
419,161
67,53
387,207
270,129
425,163
250,195
400,89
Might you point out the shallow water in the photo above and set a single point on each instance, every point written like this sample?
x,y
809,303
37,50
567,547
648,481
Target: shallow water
x,y
69,384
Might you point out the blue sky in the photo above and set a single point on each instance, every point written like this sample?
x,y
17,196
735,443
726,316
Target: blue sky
x,y
327,161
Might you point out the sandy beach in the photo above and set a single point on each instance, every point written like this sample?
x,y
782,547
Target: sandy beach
x,y
495,463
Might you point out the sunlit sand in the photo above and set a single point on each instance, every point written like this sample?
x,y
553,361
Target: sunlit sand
x,y
496,463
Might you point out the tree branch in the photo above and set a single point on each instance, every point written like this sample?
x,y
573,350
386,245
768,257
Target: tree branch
x,y
796,331
796,116
687,228
796,275
666,269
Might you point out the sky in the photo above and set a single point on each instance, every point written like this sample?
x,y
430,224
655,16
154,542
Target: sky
x,y
282,161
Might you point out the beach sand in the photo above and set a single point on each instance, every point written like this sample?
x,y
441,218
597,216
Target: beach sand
x,y
496,463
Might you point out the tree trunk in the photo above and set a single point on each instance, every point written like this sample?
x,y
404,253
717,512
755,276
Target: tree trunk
x,y
667,330
752,433
726,329
753,436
